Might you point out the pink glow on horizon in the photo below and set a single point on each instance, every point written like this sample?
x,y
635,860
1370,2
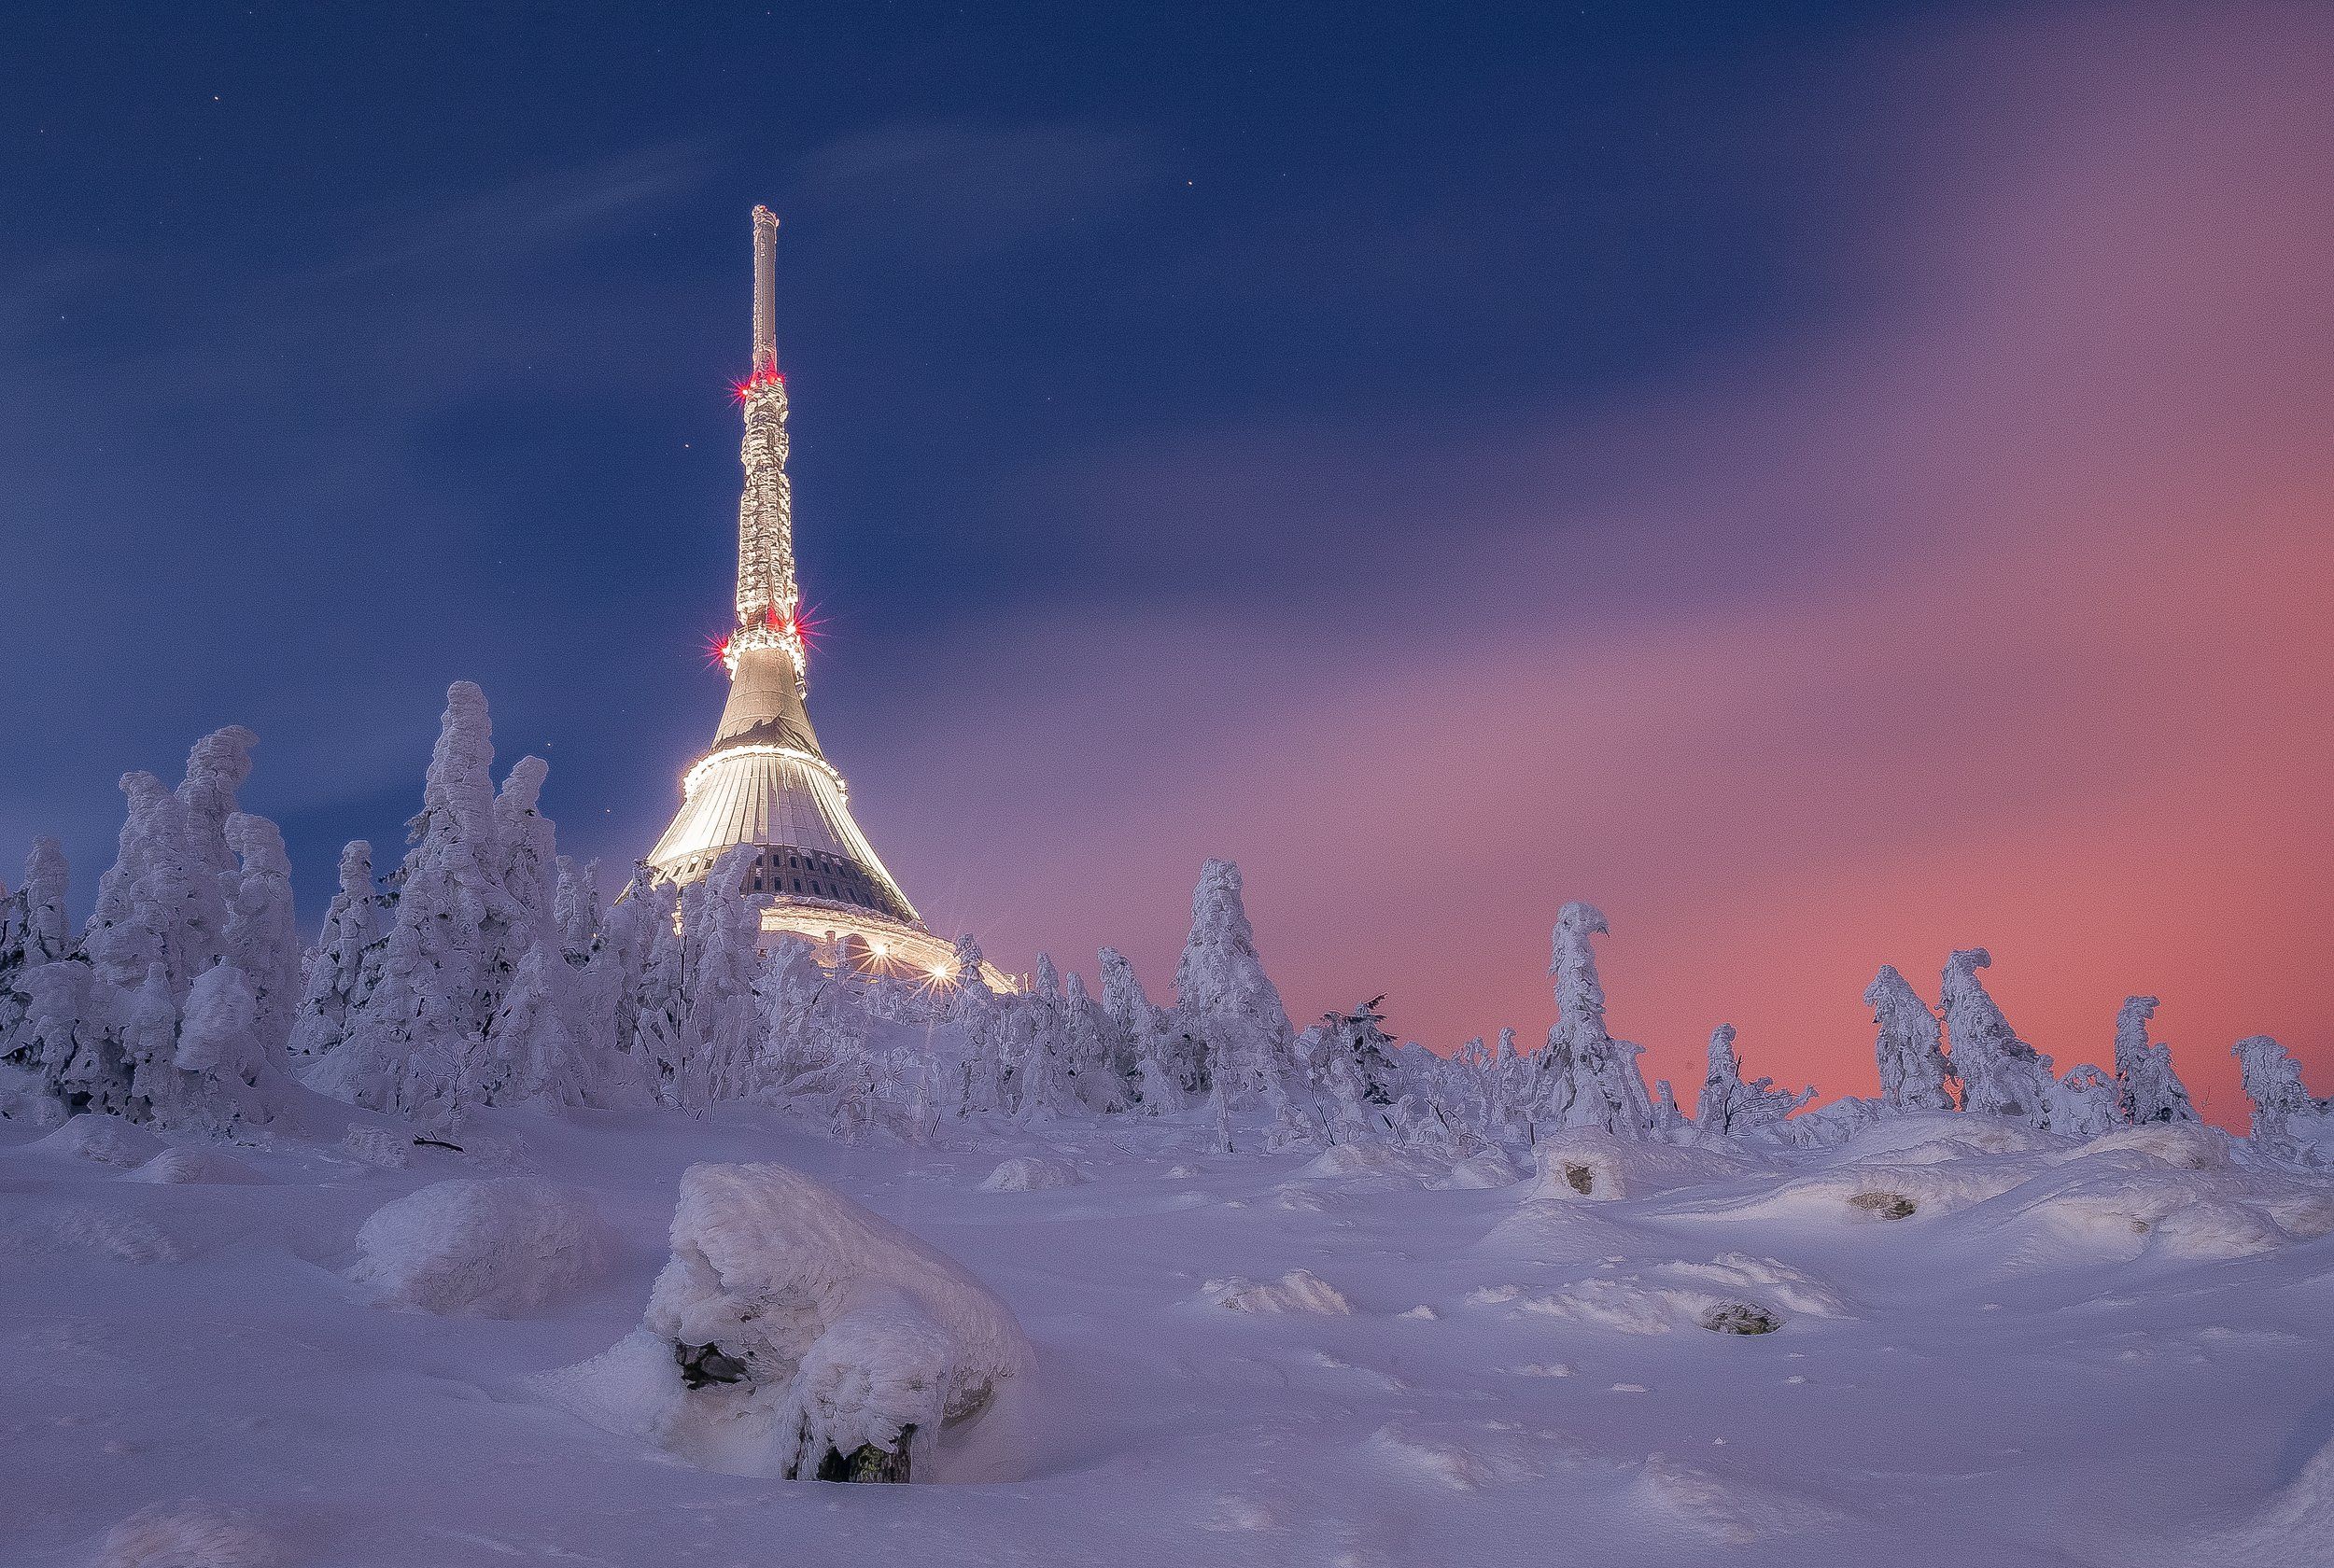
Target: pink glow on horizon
x,y
2051,668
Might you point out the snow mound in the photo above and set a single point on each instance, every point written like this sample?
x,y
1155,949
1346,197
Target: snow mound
x,y
1296,1290
1466,1457
1303,1198
1030,1173
791,1329
1363,1159
489,1248
2179,1215
1734,1293
190,1535
1493,1168
1937,1136
184,1167
1598,1166
2291,1530
112,1234
106,1139
1859,1193
2182,1146
1720,1508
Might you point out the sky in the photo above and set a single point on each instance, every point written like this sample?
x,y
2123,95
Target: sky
x,y
1827,483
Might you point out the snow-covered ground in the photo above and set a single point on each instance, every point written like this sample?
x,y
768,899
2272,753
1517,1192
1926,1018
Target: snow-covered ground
x,y
2102,1353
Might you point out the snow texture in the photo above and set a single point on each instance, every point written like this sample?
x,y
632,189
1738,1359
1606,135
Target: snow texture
x,y
491,1249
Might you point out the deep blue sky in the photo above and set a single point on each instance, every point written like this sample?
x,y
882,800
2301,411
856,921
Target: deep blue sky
x,y
1164,377
352,349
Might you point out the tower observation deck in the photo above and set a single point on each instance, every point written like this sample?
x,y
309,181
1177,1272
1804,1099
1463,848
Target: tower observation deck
x,y
766,783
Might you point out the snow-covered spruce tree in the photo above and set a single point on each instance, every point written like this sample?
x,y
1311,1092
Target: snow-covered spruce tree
x,y
458,932
1101,1081
1728,1107
659,994
1670,1122
720,1038
262,937
2146,1087
2083,1103
1915,1073
33,933
1223,998
527,1056
1134,1033
192,927
1585,1077
575,908
2285,1116
346,961
160,902
2000,1074
525,860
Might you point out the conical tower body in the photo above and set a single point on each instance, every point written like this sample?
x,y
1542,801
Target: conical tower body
x,y
766,783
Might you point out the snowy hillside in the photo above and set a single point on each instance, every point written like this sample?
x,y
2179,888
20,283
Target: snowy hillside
x,y
507,1222
2102,1354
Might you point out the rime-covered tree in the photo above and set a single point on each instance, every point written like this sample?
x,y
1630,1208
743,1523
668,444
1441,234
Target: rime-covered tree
x,y
1728,1107
460,931
224,1069
2285,1114
346,961
2146,1087
575,908
1137,1033
527,1054
1915,1073
1586,1078
1099,1081
719,1036
2000,1074
1223,997
34,933
263,939
2083,1103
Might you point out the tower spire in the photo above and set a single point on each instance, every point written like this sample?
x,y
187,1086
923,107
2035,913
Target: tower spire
x,y
766,596
764,292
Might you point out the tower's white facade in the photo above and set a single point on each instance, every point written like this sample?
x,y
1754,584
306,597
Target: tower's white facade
x,y
766,783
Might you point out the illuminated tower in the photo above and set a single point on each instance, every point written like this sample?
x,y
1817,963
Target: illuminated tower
x,y
766,783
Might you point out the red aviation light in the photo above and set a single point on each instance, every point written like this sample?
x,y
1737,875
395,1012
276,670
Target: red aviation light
x,y
741,390
717,651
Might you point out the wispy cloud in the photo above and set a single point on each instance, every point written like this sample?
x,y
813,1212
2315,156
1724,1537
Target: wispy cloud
x,y
537,210
955,189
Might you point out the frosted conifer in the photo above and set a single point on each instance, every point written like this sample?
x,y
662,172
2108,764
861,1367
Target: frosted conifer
x,y
2000,1074
342,967
2284,1111
1223,997
1915,1073
1729,1107
261,939
1586,1078
2146,1087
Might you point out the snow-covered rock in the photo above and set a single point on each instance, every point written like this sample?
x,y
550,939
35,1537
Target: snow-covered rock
x,y
1597,1165
791,1327
1030,1173
495,1248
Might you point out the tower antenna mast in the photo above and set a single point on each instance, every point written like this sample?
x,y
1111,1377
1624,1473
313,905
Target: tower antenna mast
x,y
764,292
